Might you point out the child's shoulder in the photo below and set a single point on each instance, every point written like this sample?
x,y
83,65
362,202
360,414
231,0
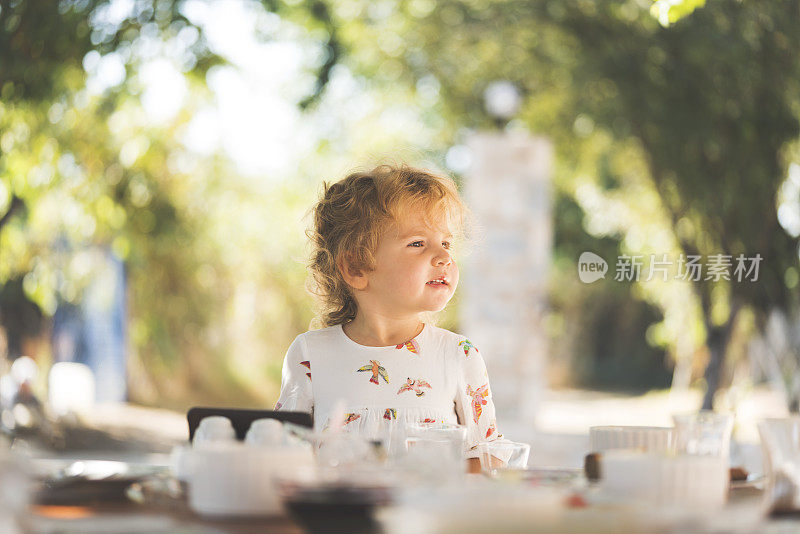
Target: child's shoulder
x,y
321,334
459,343
314,341
448,336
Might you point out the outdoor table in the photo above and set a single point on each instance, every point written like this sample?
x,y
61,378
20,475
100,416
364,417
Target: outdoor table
x,y
134,518
118,514
743,513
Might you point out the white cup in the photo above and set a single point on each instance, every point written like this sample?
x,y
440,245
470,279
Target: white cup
x,y
214,428
265,432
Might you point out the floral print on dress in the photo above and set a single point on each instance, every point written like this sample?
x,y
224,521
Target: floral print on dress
x,y
478,397
411,345
351,417
456,364
278,405
307,365
375,368
492,429
466,345
415,386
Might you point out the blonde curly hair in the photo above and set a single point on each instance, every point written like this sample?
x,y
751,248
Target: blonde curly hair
x,y
351,216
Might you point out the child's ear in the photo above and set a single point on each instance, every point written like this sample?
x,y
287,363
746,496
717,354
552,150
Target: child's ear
x,y
353,277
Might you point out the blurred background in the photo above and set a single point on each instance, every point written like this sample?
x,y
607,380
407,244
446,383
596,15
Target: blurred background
x,y
158,159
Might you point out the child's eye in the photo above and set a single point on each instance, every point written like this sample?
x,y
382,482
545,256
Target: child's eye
x,y
446,244
415,244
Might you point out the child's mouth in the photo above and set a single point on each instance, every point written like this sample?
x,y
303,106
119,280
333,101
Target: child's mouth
x,y
438,282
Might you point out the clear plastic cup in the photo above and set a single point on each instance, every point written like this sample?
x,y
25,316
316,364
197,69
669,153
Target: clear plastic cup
x,y
345,449
706,433
503,454
703,433
454,436
435,450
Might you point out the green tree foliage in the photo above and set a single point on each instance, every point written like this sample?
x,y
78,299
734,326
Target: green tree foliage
x,y
673,124
214,259
704,100
80,169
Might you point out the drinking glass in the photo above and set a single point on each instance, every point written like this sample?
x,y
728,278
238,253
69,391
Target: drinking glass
x,y
503,454
780,443
707,434
453,435
704,433
345,450
435,450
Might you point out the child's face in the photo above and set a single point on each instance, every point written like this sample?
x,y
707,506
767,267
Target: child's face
x,y
414,271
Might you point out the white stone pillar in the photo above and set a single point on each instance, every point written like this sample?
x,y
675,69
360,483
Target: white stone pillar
x,y
504,277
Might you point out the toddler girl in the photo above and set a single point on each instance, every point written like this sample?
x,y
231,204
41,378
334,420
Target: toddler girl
x,y
381,263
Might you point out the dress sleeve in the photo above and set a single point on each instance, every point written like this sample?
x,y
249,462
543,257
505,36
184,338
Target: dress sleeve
x,y
296,393
474,405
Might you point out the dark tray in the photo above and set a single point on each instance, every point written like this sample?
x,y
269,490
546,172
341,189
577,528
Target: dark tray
x,y
242,419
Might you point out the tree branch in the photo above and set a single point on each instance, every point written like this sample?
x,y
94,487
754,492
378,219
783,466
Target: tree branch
x,y
16,204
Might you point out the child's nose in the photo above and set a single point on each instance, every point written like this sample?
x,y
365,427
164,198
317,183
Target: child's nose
x,y
443,258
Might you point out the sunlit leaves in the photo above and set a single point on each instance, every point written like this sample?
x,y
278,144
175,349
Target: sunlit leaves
x,y
670,11
693,100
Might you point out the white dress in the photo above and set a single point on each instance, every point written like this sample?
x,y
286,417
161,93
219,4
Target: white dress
x,y
438,376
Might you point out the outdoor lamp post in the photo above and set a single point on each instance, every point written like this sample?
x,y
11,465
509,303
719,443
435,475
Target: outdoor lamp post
x,y
502,100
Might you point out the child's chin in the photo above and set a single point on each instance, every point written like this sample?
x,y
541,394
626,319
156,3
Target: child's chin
x,y
439,306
